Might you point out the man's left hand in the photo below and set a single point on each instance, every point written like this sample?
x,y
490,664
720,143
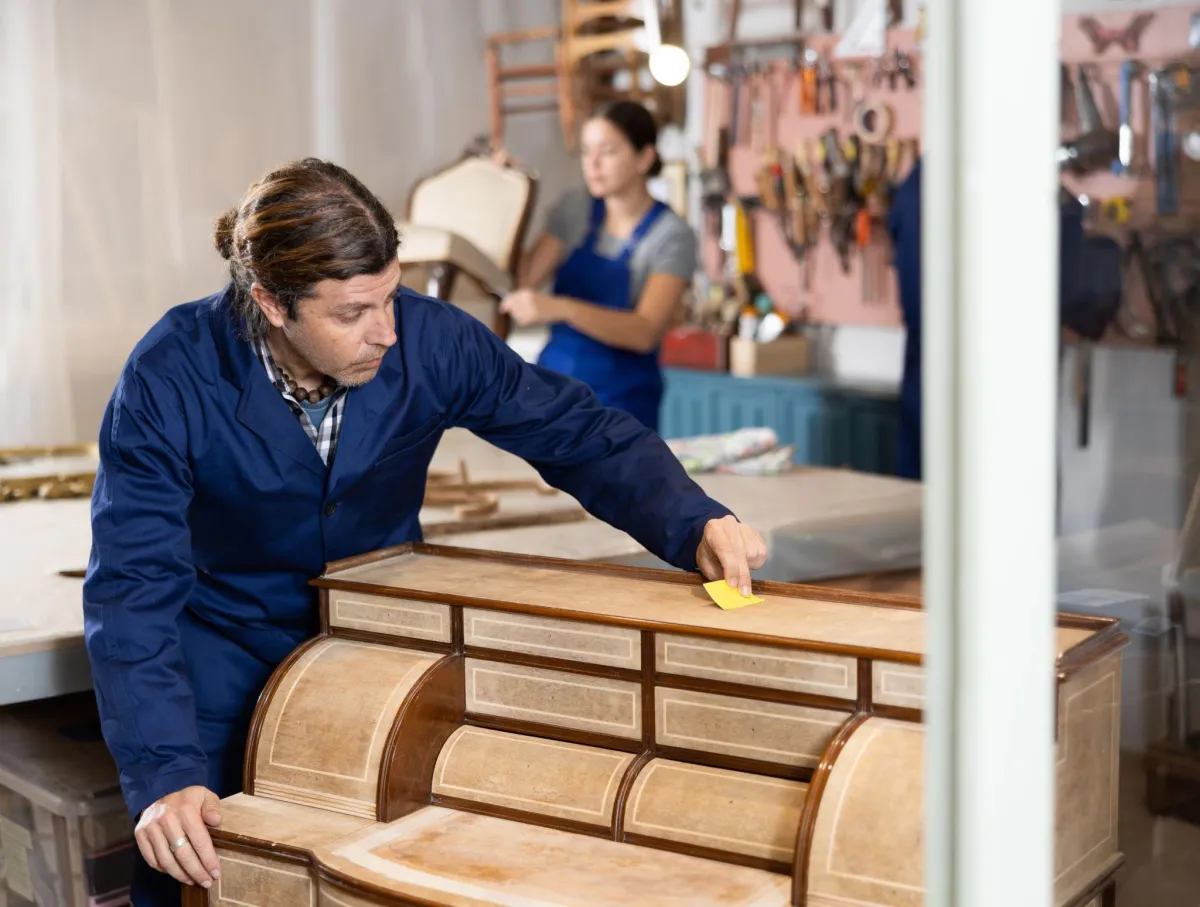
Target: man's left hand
x,y
729,550
527,307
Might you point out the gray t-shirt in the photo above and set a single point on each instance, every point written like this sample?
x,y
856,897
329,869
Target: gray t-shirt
x,y
669,247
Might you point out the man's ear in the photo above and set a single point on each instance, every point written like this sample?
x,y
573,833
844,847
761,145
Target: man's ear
x,y
270,306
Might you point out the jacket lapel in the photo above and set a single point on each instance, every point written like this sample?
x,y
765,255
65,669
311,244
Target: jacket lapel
x,y
260,407
363,405
262,410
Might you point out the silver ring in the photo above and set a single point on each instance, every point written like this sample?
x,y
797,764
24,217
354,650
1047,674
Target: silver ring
x,y
178,843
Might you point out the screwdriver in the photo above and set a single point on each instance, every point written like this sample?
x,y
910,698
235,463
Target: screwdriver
x,y
863,234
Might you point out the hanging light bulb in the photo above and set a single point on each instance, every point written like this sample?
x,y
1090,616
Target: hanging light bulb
x,y
669,64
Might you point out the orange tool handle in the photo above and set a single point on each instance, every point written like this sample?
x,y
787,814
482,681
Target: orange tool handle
x,y
808,91
863,228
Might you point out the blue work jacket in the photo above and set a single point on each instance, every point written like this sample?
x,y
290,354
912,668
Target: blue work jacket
x,y
212,511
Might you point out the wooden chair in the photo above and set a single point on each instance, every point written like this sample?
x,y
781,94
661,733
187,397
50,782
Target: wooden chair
x,y
539,86
597,41
469,218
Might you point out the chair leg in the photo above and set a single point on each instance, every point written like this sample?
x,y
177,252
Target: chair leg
x,y
495,98
1108,897
441,280
501,322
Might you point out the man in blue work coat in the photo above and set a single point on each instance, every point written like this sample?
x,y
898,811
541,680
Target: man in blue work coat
x,y
904,225
289,421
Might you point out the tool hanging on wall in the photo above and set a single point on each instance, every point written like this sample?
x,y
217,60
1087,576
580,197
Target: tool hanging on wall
x,y
1096,145
826,88
760,113
1176,263
808,83
737,74
1170,272
1123,165
1128,37
873,122
896,64
1162,120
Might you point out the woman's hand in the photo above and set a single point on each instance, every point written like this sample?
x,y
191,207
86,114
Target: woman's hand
x,y
172,835
729,550
527,307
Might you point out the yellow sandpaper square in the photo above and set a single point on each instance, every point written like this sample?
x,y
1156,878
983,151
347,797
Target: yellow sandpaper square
x,y
728,597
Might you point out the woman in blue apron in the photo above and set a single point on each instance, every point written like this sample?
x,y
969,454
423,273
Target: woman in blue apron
x,y
621,262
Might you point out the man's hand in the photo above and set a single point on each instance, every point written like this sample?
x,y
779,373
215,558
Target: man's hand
x,y
527,307
173,837
729,550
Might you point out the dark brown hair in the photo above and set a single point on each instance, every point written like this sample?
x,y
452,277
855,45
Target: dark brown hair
x,y
302,223
637,124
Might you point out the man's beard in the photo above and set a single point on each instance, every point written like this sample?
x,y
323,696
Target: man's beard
x,y
348,376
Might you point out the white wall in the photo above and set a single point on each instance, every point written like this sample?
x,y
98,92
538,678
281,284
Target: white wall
x,y
129,125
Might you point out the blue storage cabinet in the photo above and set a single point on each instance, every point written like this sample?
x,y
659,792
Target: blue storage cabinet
x,y
829,423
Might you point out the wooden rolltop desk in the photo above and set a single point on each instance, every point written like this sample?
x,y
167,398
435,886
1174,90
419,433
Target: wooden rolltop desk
x,y
474,728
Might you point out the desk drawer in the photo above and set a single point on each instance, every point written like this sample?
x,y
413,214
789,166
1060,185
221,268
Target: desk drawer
x,y
758,666
401,617
548,637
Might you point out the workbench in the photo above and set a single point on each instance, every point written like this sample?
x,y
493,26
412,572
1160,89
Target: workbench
x,y
819,523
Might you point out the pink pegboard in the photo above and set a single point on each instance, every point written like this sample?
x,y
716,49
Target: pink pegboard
x,y
1163,40
821,287
834,297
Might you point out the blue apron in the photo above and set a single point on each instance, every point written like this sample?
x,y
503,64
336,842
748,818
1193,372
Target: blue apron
x,y
622,379
212,511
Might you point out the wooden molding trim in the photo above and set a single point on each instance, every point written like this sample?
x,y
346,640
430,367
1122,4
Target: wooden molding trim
x,y
631,773
812,804
193,896
387,639
430,713
866,686
552,732
736,763
649,680
369,557
565,665
230,840
708,853
520,815
899,713
1072,660
264,703
1105,641
484,604
366,891
1104,887
623,571
675,577
758,694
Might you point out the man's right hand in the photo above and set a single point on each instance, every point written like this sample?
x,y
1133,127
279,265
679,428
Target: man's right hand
x,y
172,835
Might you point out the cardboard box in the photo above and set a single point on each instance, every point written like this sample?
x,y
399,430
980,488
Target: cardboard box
x,y
786,355
65,834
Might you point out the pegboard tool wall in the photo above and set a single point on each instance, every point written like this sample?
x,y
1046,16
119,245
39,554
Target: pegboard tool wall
x,y
832,296
835,297
1163,39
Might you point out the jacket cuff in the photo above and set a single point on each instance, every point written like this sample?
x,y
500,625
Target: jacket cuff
x,y
686,558
141,794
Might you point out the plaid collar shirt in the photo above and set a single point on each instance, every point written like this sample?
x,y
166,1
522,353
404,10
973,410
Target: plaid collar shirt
x,y
326,436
